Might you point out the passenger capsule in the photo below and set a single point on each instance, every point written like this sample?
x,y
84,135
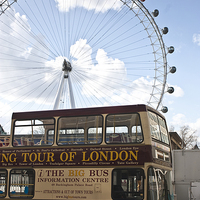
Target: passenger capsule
x,y
171,49
155,13
165,30
164,109
172,69
170,90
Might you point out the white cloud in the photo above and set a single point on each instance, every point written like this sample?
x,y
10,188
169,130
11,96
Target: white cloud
x,y
101,74
178,120
137,91
196,125
141,88
81,51
98,6
170,102
5,115
4,109
196,39
55,63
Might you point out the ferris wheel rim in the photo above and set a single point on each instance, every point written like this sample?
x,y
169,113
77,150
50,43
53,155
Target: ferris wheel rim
x,y
162,45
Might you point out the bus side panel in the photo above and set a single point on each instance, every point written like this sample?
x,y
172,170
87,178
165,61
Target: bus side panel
x,y
73,183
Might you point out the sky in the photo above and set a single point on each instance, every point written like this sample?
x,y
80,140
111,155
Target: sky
x,y
23,83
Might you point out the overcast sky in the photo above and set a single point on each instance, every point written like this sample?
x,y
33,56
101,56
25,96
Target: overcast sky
x,y
32,56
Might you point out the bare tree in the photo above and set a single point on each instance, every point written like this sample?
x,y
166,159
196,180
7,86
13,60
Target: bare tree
x,y
188,136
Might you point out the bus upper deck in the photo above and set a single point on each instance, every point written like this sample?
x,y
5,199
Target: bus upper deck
x,y
124,125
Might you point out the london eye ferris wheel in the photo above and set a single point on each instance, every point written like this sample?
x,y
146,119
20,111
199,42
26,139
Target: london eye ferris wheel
x,y
80,53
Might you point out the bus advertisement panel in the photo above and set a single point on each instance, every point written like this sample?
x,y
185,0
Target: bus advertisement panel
x,y
72,183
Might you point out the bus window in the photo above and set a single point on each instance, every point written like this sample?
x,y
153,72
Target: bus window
x,y
116,134
163,130
3,182
159,184
33,132
128,183
155,132
79,130
136,133
152,185
158,128
94,135
22,183
123,128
